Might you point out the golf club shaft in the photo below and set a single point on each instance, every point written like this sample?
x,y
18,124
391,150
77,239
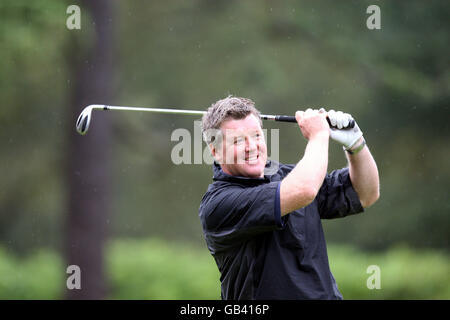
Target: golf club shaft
x,y
186,112
281,118
155,110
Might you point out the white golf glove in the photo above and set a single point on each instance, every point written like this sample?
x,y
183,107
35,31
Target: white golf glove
x,y
346,137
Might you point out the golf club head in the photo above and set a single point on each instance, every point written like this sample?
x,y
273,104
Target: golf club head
x,y
84,120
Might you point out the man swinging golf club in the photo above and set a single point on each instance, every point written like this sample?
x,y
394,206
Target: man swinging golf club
x,y
264,230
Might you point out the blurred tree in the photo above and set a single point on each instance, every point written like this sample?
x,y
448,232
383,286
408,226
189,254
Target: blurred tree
x,y
89,156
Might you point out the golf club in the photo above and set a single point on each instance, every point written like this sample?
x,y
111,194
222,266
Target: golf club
x,y
85,117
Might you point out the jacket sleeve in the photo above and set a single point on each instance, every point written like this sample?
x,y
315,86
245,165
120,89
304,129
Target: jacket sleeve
x,y
336,197
234,214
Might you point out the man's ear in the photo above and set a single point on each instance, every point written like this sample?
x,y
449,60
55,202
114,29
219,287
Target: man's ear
x,y
214,152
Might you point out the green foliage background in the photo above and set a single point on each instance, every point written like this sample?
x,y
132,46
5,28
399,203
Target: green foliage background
x,y
284,55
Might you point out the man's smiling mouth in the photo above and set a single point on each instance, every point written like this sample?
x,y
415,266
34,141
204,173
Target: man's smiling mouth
x,y
252,158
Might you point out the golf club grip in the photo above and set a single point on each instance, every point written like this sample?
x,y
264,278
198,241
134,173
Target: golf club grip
x,y
292,119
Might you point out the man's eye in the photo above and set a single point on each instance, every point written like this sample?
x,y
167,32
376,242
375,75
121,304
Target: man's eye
x,y
238,140
256,136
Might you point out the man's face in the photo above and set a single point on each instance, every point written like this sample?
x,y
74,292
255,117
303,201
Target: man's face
x,y
244,151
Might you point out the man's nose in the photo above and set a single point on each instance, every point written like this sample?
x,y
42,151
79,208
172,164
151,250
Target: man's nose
x,y
251,144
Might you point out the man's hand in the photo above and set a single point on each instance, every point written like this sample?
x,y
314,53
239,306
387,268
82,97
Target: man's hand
x,y
346,137
312,123
362,166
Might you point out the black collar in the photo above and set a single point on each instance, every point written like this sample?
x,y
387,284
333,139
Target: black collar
x,y
219,175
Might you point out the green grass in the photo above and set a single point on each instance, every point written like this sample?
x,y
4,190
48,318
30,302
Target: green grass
x,y
155,269
404,273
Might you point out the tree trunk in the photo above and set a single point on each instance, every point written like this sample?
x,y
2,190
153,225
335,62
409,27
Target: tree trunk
x,y
89,155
